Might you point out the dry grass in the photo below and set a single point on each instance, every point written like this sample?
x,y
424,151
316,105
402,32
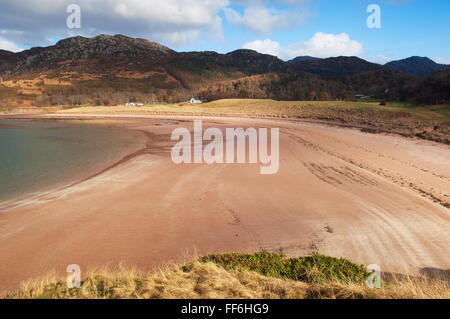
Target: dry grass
x,y
427,122
432,123
203,280
231,107
208,280
404,288
271,108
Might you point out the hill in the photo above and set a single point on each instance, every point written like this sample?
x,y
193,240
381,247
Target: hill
x,y
112,70
79,48
420,66
300,59
434,89
334,66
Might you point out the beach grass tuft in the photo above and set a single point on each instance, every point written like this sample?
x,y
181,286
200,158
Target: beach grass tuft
x,y
248,276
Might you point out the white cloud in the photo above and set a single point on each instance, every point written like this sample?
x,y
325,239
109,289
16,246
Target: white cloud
x,y
264,20
441,60
380,59
321,45
9,46
171,22
266,46
174,22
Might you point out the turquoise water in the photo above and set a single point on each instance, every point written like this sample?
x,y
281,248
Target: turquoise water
x,y
39,156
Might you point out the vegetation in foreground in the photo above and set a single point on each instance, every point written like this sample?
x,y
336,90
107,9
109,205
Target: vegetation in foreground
x,y
313,269
261,275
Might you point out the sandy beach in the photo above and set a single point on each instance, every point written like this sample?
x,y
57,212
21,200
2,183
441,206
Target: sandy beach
x,y
372,198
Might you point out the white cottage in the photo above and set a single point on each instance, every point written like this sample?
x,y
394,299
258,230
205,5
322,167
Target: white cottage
x,y
134,104
195,101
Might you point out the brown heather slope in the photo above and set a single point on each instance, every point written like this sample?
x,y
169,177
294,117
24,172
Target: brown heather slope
x,y
110,70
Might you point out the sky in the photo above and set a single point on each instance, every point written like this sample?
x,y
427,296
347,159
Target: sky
x,y
285,28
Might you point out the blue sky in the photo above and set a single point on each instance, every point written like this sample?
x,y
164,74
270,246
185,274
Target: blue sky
x,y
285,28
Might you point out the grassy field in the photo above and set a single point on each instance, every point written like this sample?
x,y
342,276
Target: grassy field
x,y
271,108
427,122
262,275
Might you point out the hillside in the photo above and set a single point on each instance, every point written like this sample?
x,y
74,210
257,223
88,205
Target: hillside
x,y
420,66
302,59
434,89
334,66
112,70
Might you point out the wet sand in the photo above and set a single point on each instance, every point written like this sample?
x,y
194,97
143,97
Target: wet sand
x,y
375,199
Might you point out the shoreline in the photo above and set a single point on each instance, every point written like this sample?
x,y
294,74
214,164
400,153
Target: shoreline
x,y
144,210
365,128
115,120
34,196
423,122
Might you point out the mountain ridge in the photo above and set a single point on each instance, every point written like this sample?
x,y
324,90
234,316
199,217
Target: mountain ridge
x,y
122,46
341,65
84,69
421,66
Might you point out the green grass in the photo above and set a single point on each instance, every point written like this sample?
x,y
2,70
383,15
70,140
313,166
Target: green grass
x,y
313,269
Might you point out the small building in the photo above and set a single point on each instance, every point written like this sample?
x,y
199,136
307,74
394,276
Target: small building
x,y
195,100
134,104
